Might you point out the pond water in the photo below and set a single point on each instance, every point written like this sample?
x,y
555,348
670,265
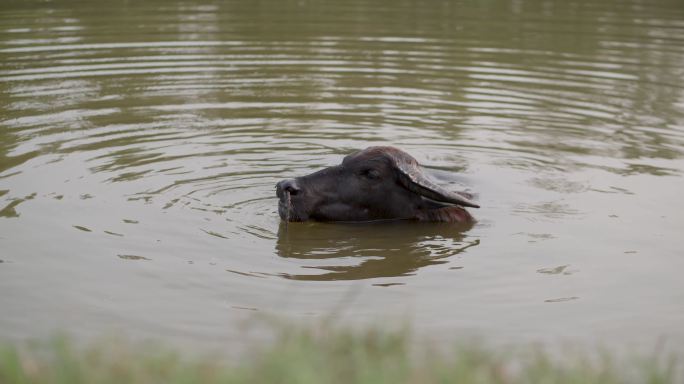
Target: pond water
x,y
140,144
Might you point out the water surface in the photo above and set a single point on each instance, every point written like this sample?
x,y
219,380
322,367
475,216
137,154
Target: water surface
x,y
140,143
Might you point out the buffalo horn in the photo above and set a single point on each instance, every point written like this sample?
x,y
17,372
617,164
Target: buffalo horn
x,y
413,179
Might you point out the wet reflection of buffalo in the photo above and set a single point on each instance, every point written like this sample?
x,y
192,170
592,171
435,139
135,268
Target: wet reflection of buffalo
x,y
377,183
368,250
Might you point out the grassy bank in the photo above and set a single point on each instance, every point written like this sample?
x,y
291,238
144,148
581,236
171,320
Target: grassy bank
x,y
320,355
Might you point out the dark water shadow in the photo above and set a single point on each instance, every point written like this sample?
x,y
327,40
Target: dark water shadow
x,y
369,250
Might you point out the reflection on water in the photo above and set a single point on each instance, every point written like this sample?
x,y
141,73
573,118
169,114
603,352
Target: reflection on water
x,y
364,251
140,143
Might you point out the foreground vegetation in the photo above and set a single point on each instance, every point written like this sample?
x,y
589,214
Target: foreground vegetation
x,y
320,355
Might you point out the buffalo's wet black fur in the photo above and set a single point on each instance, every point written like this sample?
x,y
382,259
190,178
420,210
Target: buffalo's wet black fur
x,y
377,183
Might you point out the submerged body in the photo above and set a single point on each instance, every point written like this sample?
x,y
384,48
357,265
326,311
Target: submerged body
x,y
377,183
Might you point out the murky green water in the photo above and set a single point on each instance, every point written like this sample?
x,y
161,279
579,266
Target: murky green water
x,y
140,143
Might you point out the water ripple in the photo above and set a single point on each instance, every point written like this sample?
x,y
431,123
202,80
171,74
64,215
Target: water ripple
x,y
194,108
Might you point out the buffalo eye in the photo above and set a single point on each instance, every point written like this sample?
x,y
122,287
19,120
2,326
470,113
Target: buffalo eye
x,y
369,173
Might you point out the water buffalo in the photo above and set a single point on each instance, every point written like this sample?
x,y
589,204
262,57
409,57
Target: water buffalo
x,y
377,183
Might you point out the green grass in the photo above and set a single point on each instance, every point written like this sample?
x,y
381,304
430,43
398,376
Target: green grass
x,y
315,355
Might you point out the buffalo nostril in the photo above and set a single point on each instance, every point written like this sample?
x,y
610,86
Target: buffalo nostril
x,y
289,186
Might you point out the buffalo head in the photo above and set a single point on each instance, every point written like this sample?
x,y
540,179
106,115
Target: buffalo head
x,y
378,183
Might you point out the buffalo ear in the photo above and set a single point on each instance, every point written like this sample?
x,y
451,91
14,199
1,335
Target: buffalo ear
x,y
413,179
